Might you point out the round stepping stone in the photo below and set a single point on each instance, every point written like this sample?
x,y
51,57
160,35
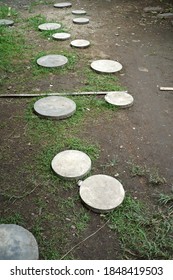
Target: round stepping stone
x,y
101,193
61,36
79,12
71,164
17,243
106,66
81,20
153,9
57,107
80,43
165,15
52,60
63,5
121,99
49,26
6,22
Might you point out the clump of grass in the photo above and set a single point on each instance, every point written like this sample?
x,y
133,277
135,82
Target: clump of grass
x,y
14,218
155,178
138,170
152,174
35,21
166,199
146,236
110,164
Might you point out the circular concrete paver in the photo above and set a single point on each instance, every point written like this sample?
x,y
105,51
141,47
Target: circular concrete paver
x,y
80,43
17,243
61,36
49,26
6,22
52,60
101,193
63,5
71,164
79,12
106,66
121,99
81,20
56,107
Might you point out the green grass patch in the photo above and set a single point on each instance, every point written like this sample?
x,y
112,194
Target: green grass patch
x,y
77,217
42,130
143,235
6,12
35,21
12,46
13,52
100,82
14,218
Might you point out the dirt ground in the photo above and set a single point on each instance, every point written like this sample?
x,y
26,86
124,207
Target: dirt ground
x,y
121,31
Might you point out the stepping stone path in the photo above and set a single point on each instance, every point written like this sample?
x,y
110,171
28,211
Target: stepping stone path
x,y
81,20
6,22
56,107
17,243
63,5
61,36
80,43
71,164
106,66
79,12
120,99
49,26
101,193
52,60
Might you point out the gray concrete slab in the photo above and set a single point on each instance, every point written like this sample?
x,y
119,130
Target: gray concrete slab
x,y
120,98
71,164
165,15
156,9
80,43
63,5
55,107
6,22
79,12
17,243
101,193
61,36
81,20
49,26
106,66
52,60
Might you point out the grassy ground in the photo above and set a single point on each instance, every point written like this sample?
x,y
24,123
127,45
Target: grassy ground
x,y
55,210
